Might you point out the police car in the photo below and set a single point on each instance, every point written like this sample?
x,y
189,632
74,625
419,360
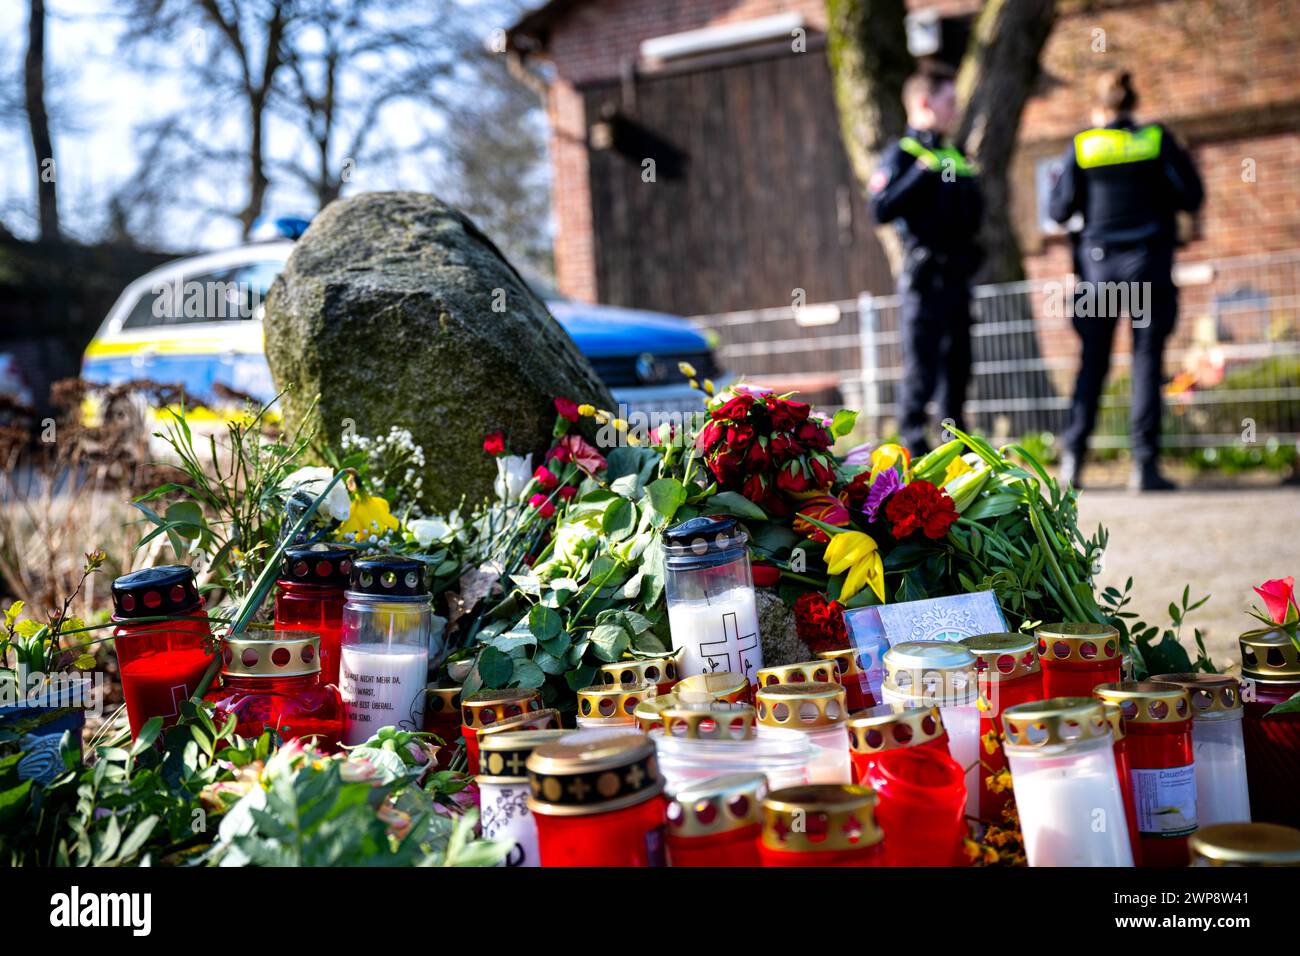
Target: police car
x,y
197,323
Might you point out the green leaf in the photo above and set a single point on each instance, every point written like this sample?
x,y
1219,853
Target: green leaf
x,y
666,496
734,503
843,422
545,623
609,641
580,677
528,674
620,520
1291,706
495,668
557,645
186,518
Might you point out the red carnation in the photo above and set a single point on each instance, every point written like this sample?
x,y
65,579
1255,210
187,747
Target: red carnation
x,y
920,506
567,492
495,443
545,478
567,409
820,623
542,504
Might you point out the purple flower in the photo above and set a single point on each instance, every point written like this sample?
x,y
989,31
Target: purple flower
x,y
886,483
858,456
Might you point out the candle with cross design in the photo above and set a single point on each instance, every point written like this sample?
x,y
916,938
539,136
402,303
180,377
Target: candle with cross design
x,y
710,591
503,790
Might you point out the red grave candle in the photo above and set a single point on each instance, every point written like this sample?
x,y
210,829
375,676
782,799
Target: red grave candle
x,y
821,825
717,822
161,663
850,673
487,707
1123,768
920,806
275,682
1158,736
309,597
1008,673
882,729
660,671
442,718
598,802
1270,672
1076,657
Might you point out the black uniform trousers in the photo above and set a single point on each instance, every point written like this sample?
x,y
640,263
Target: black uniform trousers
x,y
1145,270
934,321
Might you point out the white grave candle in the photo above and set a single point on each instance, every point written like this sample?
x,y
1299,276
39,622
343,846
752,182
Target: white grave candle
x,y
719,633
382,685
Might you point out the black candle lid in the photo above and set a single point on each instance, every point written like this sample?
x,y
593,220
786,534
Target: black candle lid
x,y
704,542
389,575
328,565
155,592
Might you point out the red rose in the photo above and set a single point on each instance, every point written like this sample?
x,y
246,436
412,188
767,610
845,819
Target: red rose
x,y
920,506
734,409
495,443
542,504
739,435
758,458
567,409
582,453
545,478
855,492
567,492
822,471
726,467
815,435
754,488
786,415
784,447
793,478
708,437
1279,598
766,575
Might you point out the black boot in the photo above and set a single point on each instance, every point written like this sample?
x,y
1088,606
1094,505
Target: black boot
x,y
1070,472
1147,477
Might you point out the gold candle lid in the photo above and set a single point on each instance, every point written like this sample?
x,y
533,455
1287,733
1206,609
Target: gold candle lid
x,y
1245,844
818,818
717,805
654,670
1268,654
648,715
1212,696
718,720
439,700
846,661
503,757
801,706
1114,717
1003,656
931,672
574,778
613,701
809,672
1056,722
1081,642
282,654
726,686
545,719
882,728
486,707
1147,702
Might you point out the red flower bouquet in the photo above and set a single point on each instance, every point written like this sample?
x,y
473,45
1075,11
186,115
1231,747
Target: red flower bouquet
x,y
920,506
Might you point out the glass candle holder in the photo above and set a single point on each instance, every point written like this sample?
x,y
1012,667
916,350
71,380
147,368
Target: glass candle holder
x,y
1078,656
821,825
920,806
1219,752
488,708
817,710
598,802
726,686
711,721
610,705
941,674
161,663
852,675
1007,674
659,671
309,596
815,672
716,822
1158,733
782,756
1115,717
503,790
710,594
274,681
1067,790
1245,844
387,627
881,729
1270,674
442,719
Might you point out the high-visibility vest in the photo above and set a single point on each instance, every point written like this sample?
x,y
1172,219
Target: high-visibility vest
x,y
936,159
1111,147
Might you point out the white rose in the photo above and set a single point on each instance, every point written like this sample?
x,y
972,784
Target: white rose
x,y
513,474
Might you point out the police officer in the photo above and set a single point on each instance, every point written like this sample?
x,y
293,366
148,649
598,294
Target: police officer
x,y
929,190
1128,182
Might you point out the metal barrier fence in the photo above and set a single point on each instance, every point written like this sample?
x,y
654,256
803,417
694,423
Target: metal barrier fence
x,y
1232,366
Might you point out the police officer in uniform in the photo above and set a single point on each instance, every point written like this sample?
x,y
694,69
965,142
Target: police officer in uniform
x,y
929,190
1127,181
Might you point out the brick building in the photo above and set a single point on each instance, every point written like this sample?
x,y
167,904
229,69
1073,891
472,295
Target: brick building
x,y
752,195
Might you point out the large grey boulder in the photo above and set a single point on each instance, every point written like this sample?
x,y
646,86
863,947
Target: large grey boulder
x,y
396,310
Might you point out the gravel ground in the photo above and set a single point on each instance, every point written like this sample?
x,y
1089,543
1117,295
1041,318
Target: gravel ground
x,y
1221,542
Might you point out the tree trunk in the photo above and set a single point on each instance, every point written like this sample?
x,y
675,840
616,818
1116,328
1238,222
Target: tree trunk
x,y
38,122
866,43
997,76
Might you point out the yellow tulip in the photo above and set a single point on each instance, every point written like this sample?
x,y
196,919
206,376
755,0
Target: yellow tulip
x,y
888,455
856,552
